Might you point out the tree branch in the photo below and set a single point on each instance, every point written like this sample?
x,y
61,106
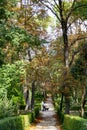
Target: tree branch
x,y
61,12
73,57
72,23
77,39
56,4
52,10
71,10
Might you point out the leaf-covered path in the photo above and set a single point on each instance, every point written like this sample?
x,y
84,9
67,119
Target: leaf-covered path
x,y
47,120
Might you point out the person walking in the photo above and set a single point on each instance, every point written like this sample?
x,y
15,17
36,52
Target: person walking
x,y
43,106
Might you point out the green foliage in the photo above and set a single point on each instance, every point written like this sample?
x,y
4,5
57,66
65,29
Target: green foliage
x,y
78,70
7,108
17,36
4,11
2,42
11,91
57,105
74,123
17,39
36,109
12,123
38,96
19,122
10,78
75,107
60,115
81,9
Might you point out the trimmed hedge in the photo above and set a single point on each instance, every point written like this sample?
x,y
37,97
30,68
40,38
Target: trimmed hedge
x,y
12,123
74,123
19,122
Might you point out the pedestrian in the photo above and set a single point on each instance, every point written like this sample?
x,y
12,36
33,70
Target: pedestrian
x,y
43,106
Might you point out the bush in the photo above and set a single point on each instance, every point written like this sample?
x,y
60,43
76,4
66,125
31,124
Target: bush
x,y
61,115
74,123
11,123
6,107
19,122
37,111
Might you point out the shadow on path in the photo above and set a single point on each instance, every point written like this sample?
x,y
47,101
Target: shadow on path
x,y
47,120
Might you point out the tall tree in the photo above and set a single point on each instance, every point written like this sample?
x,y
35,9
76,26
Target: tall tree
x,y
64,11
78,71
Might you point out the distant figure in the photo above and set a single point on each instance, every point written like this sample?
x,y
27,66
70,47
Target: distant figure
x,y
43,106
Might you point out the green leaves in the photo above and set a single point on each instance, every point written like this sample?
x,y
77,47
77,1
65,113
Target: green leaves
x,y
78,70
11,88
10,79
6,107
81,9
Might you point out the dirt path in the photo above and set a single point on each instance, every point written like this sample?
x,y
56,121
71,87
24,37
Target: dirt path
x,y
47,120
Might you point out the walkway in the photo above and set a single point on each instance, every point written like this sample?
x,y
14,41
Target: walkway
x,y
47,120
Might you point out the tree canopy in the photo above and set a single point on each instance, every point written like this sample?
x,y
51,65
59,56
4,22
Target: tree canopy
x,y
34,58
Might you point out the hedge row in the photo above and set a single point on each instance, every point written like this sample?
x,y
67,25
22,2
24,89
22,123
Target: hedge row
x,y
19,122
74,123
59,113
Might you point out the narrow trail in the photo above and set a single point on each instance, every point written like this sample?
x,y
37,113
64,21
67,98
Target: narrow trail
x,y
47,120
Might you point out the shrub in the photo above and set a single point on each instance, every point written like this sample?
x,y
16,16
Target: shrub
x,y
6,107
11,123
61,115
19,122
37,111
75,107
74,123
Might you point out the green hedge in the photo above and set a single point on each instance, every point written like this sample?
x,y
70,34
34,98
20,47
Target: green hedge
x,y
19,122
11,123
74,123
75,108
60,115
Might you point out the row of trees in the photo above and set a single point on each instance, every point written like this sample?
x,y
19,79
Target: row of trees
x,y
26,64
71,19
21,29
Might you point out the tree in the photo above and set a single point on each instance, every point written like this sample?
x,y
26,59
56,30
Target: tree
x,y
64,12
22,28
36,71
78,71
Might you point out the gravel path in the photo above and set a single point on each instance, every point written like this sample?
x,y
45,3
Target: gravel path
x,y
47,120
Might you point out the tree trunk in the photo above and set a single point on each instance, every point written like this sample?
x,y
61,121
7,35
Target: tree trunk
x,y
61,103
83,101
44,94
65,35
66,64
33,93
67,104
26,96
66,58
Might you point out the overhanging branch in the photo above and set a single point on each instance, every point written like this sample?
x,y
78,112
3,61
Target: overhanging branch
x,y
73,56
71,23
50,8
77,39
71,10
56,4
